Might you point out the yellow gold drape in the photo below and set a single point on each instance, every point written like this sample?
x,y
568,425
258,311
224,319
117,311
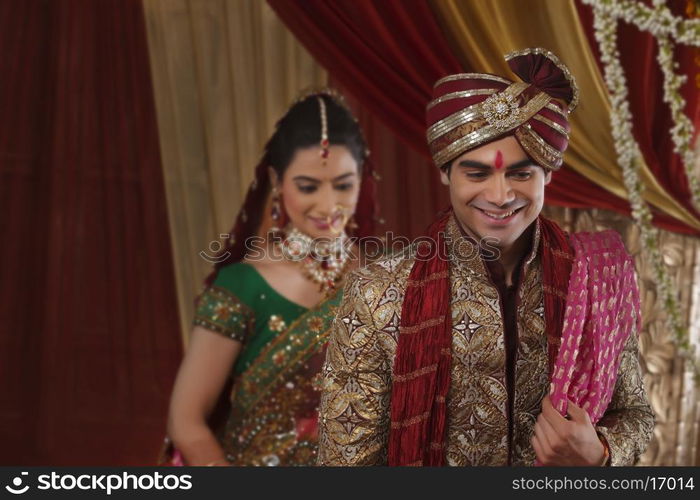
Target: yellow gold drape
x,y
485,30
223,72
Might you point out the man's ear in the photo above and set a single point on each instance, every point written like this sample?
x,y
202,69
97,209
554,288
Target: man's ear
x,y
445,175
547,177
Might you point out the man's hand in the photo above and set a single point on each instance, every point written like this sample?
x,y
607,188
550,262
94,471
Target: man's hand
x,y
561,441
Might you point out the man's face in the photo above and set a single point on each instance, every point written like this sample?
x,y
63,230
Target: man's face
x,y
496,191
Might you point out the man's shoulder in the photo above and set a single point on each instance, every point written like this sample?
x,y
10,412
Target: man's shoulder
x,y
592,243
604,256
386,276
393,267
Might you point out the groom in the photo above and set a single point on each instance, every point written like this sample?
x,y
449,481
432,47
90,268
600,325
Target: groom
x,y
459,352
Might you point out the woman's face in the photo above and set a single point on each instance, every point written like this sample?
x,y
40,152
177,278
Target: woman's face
x,y
319,199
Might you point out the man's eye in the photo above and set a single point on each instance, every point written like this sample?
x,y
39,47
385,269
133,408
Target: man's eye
x,y
345,187
522,176
307,189
476,175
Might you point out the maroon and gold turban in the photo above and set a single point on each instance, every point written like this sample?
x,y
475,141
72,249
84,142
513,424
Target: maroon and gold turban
x,y
472,109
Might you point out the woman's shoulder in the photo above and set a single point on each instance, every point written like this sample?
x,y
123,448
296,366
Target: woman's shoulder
x,y
239,278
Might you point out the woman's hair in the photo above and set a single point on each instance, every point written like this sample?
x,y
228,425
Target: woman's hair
x,y
301,128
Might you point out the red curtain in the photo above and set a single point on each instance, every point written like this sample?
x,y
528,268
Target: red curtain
x,y
652,116
388,56
408,191
89,335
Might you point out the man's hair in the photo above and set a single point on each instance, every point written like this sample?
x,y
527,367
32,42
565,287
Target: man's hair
x,y
447,168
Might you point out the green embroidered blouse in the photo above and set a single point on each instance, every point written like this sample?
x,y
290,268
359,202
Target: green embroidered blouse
x,y
242,306
273,414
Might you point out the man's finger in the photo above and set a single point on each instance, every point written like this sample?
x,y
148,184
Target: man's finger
x,y
578,414
547,433
539,453
555,419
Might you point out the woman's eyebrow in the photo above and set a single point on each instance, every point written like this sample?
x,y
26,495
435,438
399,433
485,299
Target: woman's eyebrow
x,y
341,177
307,179
318,181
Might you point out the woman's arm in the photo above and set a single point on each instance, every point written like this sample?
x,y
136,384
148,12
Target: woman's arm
x,y
200,380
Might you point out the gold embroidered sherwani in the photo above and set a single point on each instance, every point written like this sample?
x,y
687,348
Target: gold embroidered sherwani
x,y
355,404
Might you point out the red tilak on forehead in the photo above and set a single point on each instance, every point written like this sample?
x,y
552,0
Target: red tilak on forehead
x,y
498,162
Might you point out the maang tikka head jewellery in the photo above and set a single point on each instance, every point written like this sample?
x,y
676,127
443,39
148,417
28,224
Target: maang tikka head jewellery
x,y
324,131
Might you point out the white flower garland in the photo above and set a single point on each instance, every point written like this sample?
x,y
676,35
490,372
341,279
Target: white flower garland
x,y
682,131
629,158
660,22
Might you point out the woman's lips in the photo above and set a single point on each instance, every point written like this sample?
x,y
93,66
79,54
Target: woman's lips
x,y
326,223
320,223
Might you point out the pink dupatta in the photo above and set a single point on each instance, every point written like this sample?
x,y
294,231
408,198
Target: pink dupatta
x,y
602,309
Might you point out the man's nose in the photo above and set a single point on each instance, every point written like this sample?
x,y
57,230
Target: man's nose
x,y
498,191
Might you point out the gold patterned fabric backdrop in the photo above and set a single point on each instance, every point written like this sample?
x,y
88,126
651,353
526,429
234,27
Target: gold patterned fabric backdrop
x,y
224,71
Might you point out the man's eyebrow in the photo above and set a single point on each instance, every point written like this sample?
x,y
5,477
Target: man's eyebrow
x,y
477,164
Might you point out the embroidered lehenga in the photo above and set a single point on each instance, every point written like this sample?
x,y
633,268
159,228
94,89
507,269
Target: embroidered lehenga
x,y
273,415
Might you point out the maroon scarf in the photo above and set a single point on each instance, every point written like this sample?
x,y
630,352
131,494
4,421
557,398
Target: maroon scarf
x,y
421,375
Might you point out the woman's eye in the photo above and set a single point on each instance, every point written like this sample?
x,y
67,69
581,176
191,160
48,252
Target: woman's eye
x,y
345,187
307,189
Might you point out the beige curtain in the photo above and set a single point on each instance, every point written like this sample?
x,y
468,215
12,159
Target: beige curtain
x,y
223,72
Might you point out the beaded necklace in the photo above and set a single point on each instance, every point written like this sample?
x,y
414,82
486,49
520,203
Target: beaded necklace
x,y
323,260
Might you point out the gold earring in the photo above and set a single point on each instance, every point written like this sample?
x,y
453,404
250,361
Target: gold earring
x,y
276,211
